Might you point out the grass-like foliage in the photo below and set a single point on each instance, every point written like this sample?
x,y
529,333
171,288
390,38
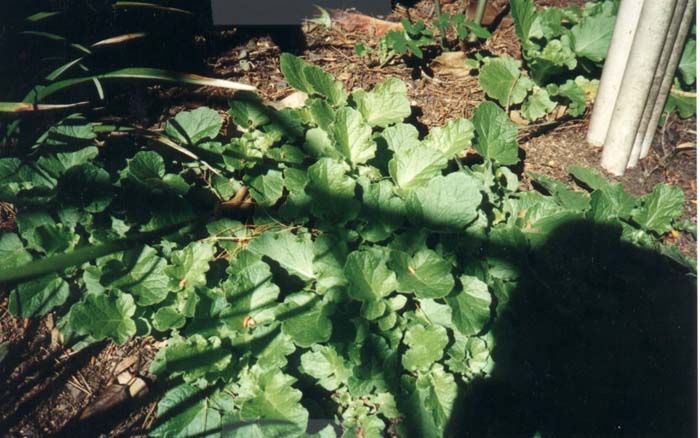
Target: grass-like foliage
x,y
331,269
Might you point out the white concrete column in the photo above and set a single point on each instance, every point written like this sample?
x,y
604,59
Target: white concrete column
x,y
659,75
615,63
667,83
636,83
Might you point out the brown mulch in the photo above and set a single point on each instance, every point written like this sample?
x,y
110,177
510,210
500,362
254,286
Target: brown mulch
x,y
45,388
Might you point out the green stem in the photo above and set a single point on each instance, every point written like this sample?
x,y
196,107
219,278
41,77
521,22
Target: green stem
x,y
60,262
438,14
478,17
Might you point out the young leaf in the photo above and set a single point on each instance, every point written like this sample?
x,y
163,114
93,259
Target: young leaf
x,y
191,127
250,290
190,266
414,165
191,358
446,202
294,253
305,318
471,308
185,411
399,136
425,346
687,66
12,252
538,105
353,136
660,208
332,191
368,276
269,395
38,297
452,139
385,105
592,37
495,134
500,78
311,79
105,316
426,273
328,367
267,189
142,273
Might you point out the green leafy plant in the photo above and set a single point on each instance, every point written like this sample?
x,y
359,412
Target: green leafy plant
x,y
564,51
413,39
327,262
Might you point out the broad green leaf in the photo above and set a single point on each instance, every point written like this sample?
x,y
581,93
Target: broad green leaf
x,y
659,208
269,395
332,191
267,189
589,177
385,105
311,79
38,297
439,393
190,265
576,95
47,236
611,202
141,273
144,168
305,318
436,312
381,209
592,36
401,135
57,164
353,136
501,79
248,113
425,346
471,307
538,105
330,255
250,290
184,412
12,252
18,179
168,317
426,274
368,276
191,358
327,366
523,12
294,253
495,134
319,144
451,139
105,316
88,187
470,356
191,127
415,165
446,202
687,66
292,68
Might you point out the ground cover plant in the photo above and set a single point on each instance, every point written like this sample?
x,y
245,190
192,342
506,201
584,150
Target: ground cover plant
x,y
328,269
563,51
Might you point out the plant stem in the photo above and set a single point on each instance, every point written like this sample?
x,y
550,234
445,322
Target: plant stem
x,y
478,16
438,14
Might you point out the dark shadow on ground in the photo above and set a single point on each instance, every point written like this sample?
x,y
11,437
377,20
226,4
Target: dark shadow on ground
x,y
596,339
